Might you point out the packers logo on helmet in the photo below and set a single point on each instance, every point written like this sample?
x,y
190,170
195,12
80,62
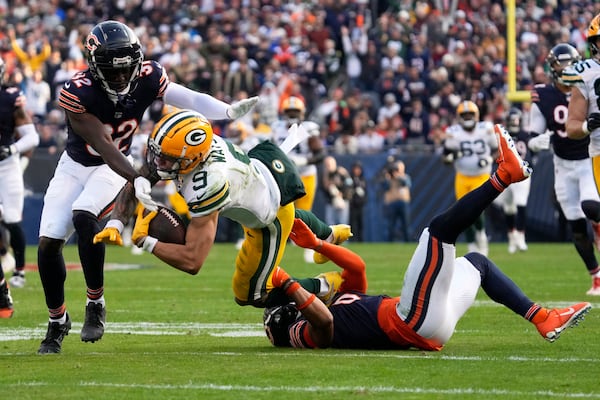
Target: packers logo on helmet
x,y
593,36
467,113
179,142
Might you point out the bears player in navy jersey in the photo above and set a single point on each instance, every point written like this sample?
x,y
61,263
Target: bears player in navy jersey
x,y
513,200
104,106
573,177
438,287
17,135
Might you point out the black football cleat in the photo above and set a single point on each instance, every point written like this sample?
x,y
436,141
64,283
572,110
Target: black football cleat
x,y
54,337
93,327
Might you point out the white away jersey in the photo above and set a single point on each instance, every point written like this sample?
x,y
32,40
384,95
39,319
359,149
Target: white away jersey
x,y
585,75
472,147
242,189
280,133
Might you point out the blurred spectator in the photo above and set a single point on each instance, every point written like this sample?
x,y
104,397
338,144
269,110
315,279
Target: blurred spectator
x,y
388,109
418,125
32,54
354,49
369,141
396,202
358,201
38,94
339,119
346,144
337,185
48,142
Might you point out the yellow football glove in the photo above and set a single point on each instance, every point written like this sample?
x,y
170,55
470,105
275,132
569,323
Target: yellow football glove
x,y
110,234
140,230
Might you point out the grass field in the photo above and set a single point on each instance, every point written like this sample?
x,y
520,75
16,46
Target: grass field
x,y
174,336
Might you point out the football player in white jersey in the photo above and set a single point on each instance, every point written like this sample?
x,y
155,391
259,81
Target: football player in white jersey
x,y
573,176
471,145
17,135
305,156
513,200
216,178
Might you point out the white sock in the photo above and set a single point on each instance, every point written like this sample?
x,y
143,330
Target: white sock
x,y
98,301
324,288
62,320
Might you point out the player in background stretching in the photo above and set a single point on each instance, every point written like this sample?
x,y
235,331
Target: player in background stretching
x,y
470,145
438,287
17,135
104,106
513,200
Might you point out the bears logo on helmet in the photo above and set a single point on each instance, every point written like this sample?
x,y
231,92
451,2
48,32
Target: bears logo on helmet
x,y
114,56
560,57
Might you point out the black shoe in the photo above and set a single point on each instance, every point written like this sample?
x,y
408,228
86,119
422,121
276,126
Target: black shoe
x,y
93,327
6,303
54,337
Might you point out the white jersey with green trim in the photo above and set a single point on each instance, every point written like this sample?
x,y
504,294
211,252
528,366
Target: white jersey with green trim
x,y
300,153
585,76
240,188
473,149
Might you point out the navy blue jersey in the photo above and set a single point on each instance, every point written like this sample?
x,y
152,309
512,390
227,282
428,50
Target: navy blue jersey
x,y
554,106
355,324
83,94
520,139
8,98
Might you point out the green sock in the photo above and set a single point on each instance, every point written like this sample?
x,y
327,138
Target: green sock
x,y
320,228
277,297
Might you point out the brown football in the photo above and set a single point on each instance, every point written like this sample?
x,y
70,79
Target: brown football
x,y
167,226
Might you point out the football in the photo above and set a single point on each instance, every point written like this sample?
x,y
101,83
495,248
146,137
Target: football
x,y
167,226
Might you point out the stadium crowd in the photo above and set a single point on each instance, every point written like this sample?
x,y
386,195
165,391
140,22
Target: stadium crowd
x,y
403,65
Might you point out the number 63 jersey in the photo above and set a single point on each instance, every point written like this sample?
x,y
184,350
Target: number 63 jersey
x,y
473,148
82,94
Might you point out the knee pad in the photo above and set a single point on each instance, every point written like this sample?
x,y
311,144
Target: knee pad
x,y
591,209
50,246
83,220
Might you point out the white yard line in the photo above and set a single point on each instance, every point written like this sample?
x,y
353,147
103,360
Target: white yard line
x,y
332,389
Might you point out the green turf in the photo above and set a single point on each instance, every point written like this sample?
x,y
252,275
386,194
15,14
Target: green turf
x,y
175,336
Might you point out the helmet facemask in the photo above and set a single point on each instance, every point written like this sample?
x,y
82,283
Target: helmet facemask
x,y
467,114
560,57
276,322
